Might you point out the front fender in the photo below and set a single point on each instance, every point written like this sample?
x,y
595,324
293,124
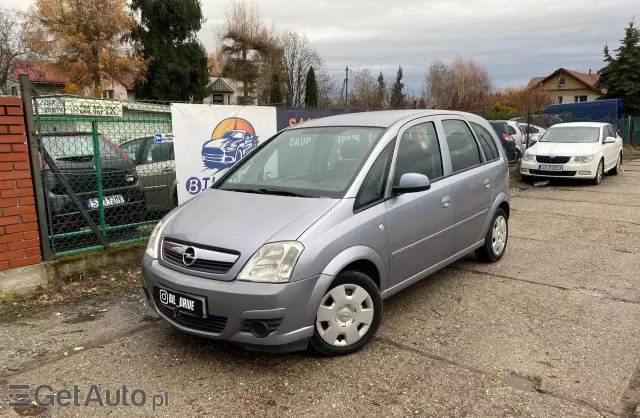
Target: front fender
x,y
336,265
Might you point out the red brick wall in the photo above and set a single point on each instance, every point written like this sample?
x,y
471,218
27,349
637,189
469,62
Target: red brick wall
x,y
19,237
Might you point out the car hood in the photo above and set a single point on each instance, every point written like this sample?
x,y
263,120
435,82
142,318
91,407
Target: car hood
x,y
556,149
243,222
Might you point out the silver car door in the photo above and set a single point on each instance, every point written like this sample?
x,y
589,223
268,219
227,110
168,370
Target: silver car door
x,y
420,224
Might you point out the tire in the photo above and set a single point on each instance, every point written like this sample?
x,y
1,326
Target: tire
x,y
498,231
598,177
615,170
337,322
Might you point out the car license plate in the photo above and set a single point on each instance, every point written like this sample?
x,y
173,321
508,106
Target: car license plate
x,y
179,302
106,202
546,167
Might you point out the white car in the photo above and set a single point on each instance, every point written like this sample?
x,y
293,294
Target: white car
x,y
582,150
535,132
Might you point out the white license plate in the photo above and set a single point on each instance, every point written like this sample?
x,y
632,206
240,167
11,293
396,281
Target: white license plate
x,y
106,202
546,167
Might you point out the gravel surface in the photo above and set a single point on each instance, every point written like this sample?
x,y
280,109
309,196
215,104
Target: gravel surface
x,y
553,330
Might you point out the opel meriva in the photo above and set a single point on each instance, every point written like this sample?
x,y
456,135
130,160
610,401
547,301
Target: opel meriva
x,y
302,240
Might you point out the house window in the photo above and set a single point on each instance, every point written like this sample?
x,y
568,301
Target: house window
x,y
218,99
562,82
108,94
578,99
559,99
14,91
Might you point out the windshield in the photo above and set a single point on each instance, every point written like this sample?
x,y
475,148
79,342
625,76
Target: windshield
x,y
311,162
572,135
73,146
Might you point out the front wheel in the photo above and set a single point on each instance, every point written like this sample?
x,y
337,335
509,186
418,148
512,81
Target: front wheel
x,y
348,316
495,242
598,177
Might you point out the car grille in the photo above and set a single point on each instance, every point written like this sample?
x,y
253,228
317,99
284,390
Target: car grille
x,y
552,160
553,173
212,323
212,158
201,265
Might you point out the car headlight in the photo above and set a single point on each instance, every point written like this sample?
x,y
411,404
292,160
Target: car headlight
x,y
583,159
273,263
528,156
152,245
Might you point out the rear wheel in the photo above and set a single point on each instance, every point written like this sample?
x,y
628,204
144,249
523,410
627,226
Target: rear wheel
x,y
348,316
598,177
495,242
614,171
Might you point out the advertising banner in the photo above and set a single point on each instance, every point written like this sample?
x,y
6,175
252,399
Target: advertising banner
x,y
210,139
288,116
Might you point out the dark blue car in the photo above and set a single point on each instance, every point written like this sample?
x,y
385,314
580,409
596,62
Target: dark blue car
x,y
234,146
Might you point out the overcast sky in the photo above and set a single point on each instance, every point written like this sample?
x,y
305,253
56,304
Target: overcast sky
x,y
514,39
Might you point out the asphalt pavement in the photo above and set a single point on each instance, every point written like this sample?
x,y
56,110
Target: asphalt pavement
x,y
553,330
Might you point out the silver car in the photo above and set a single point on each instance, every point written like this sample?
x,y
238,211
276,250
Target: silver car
x,y
302,240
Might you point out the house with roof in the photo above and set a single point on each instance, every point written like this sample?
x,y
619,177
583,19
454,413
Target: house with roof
x,y
226,91
569,86
47,79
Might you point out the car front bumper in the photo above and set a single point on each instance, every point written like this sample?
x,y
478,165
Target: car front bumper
x,y
289,309
569,170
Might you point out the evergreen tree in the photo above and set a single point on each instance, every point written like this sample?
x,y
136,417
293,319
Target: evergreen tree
x,y
276,96
397,100
167,33
380,93
621,75
311,90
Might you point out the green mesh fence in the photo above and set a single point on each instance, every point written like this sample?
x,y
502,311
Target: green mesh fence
x,y
108,170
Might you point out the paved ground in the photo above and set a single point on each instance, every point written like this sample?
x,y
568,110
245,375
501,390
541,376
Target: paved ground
x,y
551,331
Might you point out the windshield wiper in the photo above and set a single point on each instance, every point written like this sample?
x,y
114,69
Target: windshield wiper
x,y
277,192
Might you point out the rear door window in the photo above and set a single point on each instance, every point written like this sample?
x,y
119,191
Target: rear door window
x,y
487,142
463,147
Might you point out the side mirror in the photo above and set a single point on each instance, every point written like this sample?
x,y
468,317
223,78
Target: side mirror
x,y
412,183
610,140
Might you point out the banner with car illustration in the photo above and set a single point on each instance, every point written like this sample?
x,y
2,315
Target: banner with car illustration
x,y
210,139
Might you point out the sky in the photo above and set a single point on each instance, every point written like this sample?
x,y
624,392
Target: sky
x,y
514,40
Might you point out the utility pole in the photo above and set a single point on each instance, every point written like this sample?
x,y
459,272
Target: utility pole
x,y
346,90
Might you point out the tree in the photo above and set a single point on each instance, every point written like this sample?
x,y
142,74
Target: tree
x,y
244,37
397,100
311,90
86,37
621,75
178,66
276,96
13,46
216,63
364,93
461,85
298,57
381,92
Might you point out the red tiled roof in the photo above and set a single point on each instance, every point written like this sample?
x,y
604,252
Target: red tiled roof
x,y
588,79
46,72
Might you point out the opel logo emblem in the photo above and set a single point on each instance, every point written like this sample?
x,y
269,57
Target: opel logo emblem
x,y
189,256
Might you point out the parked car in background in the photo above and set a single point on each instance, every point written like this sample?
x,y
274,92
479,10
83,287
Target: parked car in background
x,y
503,129
154,158
293,246
581,150
73,154
535,132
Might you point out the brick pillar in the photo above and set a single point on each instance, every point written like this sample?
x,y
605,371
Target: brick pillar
x,y
19,236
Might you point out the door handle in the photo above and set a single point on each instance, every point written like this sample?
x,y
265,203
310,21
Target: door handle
x,y
487,184
446,202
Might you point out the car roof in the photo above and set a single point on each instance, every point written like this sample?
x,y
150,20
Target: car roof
x,y
378,118
580,125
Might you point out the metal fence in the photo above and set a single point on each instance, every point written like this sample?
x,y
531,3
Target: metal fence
x,y
106,168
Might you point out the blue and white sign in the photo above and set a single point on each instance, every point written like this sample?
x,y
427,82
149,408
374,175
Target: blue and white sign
x,y
210,139
159,138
